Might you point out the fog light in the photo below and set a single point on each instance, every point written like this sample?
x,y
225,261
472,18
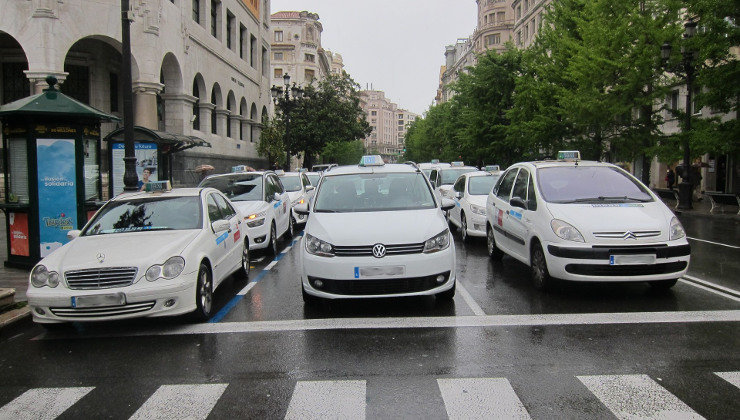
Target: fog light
x,y
260,239
40,311
318,284
169,302
440,278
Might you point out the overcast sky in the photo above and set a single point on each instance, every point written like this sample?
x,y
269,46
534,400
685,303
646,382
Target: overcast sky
x,y
397,45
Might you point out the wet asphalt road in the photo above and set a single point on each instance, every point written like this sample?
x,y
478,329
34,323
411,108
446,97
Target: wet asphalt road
x,y
500,350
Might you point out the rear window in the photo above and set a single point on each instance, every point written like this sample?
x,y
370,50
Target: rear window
x,y
589,184
291,183
238,187
481,185
449,176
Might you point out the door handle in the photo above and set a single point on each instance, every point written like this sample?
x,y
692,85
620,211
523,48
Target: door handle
x,y
507,211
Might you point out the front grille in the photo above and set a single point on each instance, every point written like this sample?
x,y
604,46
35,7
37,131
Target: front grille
x,y
367,250
100,278
357,287
628,235
625,270
130,308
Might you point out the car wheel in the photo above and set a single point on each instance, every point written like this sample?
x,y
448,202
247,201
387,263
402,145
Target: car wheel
x,y
463,228
447,294
540,275
493,252
246,260
273,240
309,300
662,284
203,294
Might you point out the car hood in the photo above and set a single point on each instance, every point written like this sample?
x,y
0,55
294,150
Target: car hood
x,y
478,200
120,250
368,228
249,207
294,195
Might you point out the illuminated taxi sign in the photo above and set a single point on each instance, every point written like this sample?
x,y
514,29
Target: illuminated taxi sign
x,y
435,161
372,160
457,163
569,155
492,168
154,186
239,168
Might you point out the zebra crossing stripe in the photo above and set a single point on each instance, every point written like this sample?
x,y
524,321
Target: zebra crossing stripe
x,y
43,403
731,377
181,402
328,400
637,396
481,398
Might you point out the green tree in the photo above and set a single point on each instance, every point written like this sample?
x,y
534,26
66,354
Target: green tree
x,y
271,145
343,152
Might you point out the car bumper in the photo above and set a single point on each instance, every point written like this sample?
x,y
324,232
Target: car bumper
x,y
587,263
338,274
259,237
157,299
476,225
299,219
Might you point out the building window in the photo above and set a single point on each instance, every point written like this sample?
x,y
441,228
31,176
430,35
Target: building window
x,y
214,17
242,41
494,39
252,46
518,12
310,58
278,73
113,89
373,113
673,100
265,62
278,56
196,108
309,34
196,11
310,76
501,17
229,30
278,36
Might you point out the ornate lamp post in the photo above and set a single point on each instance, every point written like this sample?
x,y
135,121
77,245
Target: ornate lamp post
x,y
286,99
686,67
130,179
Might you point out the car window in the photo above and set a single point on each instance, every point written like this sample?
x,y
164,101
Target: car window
x,y
214,211
278,184
448,176
531,197
237,187
481,185
374,192
520,186
504,188
305,181
592,184
270,188
314,179
227,212
459,185
171,213
291,183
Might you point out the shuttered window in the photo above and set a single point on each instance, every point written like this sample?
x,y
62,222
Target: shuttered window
x,y
17,171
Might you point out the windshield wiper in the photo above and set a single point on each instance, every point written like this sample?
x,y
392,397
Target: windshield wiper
x,y
327,211
605,198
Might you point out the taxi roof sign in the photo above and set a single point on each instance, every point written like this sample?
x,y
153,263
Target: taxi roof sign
x,y
154,186
372,160
492,168
457,163
569,155
435,161
239,168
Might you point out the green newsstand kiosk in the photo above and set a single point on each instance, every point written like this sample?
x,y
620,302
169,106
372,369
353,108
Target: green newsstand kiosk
x,y
51,152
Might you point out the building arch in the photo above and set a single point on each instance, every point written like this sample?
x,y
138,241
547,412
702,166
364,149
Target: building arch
x,y
198,91
218,102
14,84
254,116
231,107
243,109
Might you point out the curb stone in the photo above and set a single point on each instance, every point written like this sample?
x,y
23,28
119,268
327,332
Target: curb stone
x,y
11,317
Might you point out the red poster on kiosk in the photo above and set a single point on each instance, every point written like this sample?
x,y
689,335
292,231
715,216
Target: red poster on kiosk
x,y
19,234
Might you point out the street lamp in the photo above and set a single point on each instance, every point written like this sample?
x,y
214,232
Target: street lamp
x,y
130,179
685,187
286,99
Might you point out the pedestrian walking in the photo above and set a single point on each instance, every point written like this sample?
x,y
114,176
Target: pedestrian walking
x,y
670,178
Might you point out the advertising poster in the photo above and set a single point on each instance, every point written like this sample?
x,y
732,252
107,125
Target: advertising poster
x,y
146,160
57,192
19,234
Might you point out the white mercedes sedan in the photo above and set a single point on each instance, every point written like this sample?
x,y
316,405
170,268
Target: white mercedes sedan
x,y
143,254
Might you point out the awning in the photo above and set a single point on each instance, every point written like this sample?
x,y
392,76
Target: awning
x,y
170,142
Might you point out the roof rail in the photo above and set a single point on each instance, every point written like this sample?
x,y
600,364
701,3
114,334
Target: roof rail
x,y
412,163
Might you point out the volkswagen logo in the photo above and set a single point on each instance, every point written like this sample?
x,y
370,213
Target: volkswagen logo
x,y
100,257
378,250
629,235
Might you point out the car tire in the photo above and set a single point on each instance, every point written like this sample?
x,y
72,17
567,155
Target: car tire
x,y
203,294
246,260
464,228
273,246
447,294
540,275
662,285
309,300
494,252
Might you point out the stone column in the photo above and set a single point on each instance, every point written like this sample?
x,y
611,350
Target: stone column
x,y
205,116
237,124
256,132
222,118
178,113
145,104
38,79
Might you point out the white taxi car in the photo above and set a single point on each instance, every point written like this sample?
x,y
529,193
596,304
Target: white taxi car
x,y
470,194
443,178
584,221
376,230
263,201
142,255
427,167
299,190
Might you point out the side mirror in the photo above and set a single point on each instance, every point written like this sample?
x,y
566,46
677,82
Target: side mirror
x,y
447,204
458,195
518,202
276,197
220,226
310,188
73,234
301,209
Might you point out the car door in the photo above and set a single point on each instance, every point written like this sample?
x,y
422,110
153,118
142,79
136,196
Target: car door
x,y
234,241
519,220
458,191
282,206
500,209
309,192
218,247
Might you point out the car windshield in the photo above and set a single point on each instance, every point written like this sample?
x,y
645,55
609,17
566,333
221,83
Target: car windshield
x,y
291,182
314,179
589,184
237,187
374,192
449,176
147,214
481,185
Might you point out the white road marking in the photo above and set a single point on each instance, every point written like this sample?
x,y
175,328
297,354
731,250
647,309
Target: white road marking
x,y
713,243
287,248
675,317
708,289
712,285
270,265
481,398
328,400
637,397
247,288
259,259
43,403
181,402
731,377
469,300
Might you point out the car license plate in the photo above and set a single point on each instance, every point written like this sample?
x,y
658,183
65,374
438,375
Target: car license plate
x,y
391,270
94,301
632,259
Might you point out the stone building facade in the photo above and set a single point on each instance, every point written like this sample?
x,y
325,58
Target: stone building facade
x,y
495,25
296,48
199,67
528,15
382,117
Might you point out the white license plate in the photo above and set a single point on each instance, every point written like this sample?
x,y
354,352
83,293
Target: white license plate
x,y
391,270
94,301
632,259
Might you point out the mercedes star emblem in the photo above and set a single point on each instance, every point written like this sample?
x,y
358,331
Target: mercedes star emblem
x,y
100,257
378,250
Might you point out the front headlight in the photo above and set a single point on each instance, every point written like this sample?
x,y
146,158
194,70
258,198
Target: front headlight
x,y
255,215
478,209
566,231
172,268
41,276
438,242
316,246
255,223
677,231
